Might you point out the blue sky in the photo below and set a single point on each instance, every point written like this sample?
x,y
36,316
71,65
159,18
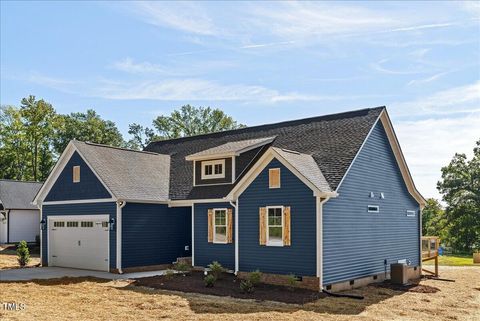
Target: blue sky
x,y
261,62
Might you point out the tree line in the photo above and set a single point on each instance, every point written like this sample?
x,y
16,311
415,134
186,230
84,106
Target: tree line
x,y
33,135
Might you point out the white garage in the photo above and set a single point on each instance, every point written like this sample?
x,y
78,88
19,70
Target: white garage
x,y
80,242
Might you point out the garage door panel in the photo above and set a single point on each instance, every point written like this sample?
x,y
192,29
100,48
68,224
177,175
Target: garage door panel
x,y
77,246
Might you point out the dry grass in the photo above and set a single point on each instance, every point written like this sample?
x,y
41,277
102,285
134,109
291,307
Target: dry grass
x,y
8,260
91,299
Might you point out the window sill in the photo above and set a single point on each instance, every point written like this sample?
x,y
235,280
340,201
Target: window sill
x,y
277,244
218,242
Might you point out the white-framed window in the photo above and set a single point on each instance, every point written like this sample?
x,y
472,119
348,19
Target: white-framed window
x,y
275,225
86,224
373,209
411,213
213,169
58,224
72,224
76,174
220,224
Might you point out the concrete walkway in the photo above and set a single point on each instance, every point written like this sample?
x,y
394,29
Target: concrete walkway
x,y
27,274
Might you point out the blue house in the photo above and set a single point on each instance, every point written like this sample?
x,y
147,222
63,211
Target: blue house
x,y
329,199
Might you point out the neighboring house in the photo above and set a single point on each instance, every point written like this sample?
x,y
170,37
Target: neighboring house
x,y
329,199
19,218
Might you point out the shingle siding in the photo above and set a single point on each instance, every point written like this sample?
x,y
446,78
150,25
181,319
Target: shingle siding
x,y
107,208
89,187
154,234
356,242
300,257
206,252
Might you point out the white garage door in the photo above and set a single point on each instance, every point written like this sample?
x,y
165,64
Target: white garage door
x,y
79,242
23,225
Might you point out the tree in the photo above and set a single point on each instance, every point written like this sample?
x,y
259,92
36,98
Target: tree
x,y
434,222
189,121
39,117
460,186
142,136
87,126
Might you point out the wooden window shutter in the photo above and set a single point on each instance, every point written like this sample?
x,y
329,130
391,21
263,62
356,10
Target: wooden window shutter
x,y
229,225
286,226
210,225
274,178
76,174
262,225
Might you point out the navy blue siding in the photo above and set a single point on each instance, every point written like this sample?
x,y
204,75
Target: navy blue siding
x,y
205,253
107,208
154,234
89,186
300,257
356,242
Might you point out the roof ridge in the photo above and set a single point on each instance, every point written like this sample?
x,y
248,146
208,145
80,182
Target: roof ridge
x,y
286,122
120,148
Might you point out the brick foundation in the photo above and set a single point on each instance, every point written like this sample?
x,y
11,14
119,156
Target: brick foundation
x,y
307,282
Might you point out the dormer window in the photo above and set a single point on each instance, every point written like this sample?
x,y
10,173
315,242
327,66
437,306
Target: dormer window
x,y
213,169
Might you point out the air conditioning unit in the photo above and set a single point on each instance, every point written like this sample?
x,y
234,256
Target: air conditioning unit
x,y
399,273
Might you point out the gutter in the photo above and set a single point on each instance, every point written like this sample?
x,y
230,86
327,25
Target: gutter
x,y
235,206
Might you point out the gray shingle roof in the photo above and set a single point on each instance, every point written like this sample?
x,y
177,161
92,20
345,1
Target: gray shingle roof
x,y
130,175
18,195
232,148
332,141
307,166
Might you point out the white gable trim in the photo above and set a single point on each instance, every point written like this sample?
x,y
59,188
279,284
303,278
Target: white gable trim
x,y
58,169
397,151
260,165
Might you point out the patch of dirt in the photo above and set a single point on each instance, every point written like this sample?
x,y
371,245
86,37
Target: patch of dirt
x,y
229,285
413,287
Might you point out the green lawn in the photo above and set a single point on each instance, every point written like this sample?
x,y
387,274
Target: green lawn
x,y
453,260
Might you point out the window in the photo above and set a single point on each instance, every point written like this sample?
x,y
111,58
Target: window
x,y
220,226
58,224
213,169
275,225
86,224
76,174
72,224
411,213
373,209
274,178
104,224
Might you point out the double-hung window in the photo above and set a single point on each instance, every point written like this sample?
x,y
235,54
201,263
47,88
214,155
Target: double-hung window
x,y
213,169
275,225
220,225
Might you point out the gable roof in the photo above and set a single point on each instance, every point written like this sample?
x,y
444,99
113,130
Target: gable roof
x,y
18,195
129,174
332,141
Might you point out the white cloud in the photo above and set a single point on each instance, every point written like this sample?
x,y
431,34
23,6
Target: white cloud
x,y
130,66
184,16
422,81
462,99
59,84
430,144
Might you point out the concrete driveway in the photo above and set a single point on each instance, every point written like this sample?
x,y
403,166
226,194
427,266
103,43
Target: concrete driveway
x,y
27,274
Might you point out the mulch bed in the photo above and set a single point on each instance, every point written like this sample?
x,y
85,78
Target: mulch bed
x,y
229,285
413,287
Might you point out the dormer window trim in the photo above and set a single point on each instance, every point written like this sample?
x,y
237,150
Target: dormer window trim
x,y
213,169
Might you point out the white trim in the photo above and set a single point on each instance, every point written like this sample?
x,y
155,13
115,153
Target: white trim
x,y
193,234
269,243
186,203
233,169
212,163
237,262
118,222
95,200
411,213
215,225
211,156
370,209
194,174
40,210
227,183
319,234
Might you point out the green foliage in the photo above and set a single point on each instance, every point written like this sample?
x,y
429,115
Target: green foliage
x,y
169,274
255,277
190,121
460,186
23,254
209,281
141,136
246,286
292,281
183,267
89,127
434,222
217,269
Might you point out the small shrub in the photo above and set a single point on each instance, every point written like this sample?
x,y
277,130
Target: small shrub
x,y
255,277
217,269
23,254
246,286
183,268
292,281
209,281
169,274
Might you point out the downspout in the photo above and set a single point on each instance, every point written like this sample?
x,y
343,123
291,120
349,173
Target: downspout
x,y
320,202
8,226
120,205
235,206
40,208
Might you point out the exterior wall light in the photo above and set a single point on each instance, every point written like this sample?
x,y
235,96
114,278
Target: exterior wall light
x,y
112,223
43,224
